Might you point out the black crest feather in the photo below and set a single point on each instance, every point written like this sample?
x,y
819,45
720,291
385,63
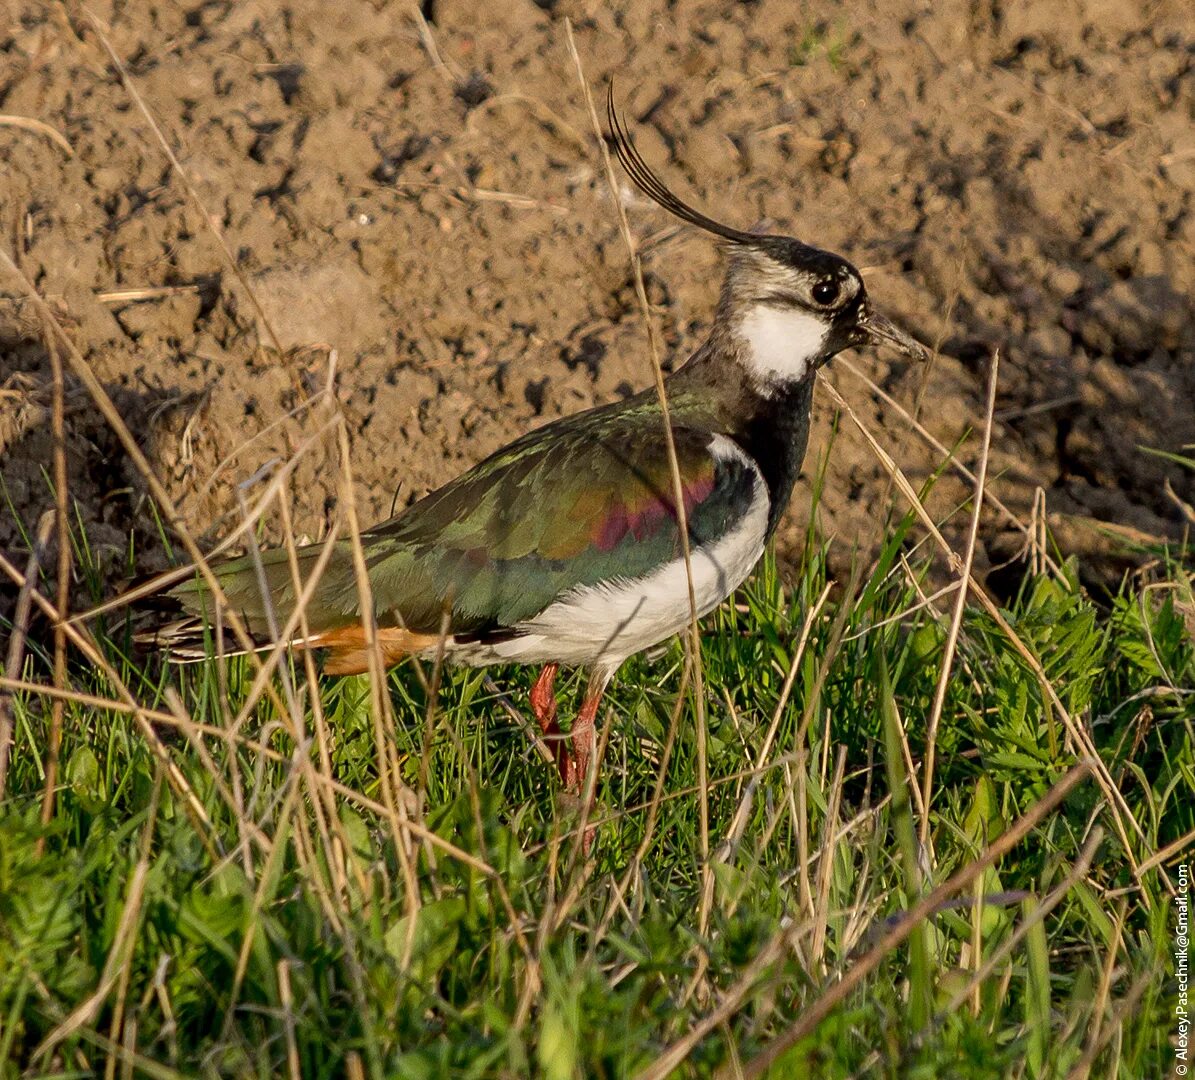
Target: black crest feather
x,y
655,188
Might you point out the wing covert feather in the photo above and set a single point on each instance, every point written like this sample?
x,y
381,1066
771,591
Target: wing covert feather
x,y
554,511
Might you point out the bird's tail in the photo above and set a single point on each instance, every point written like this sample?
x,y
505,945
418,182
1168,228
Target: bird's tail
x,y
345,650
262,590
185,640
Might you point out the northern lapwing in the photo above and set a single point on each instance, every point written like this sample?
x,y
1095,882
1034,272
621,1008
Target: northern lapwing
x,y
563,548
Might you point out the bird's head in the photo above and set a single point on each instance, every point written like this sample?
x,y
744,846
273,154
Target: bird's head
x,y
790,307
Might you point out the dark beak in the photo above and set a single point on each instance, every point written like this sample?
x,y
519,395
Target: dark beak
x,y
873,329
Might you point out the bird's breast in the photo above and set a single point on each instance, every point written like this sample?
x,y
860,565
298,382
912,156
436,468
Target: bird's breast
x,y
603,624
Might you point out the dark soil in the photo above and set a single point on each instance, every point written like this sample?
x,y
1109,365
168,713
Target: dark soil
x,y
1017,175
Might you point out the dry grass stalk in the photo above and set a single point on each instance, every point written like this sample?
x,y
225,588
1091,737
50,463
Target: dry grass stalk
x,y
1104,990
1077,735
906,752
451,73
148,292
288,1008
124,941
815,1013
729,1004
265,882
1128,1006
924,602
652,806
381,709
324,804
985,968
183,790
38,127
1170,851
515,201
209,219
192,727
282,637
62,518
958,466
543,113
1049,902
693,641
15,658
960,603
120,428
825,868
739,822
797,796
529,730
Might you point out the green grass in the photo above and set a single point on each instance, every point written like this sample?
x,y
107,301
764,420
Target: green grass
x,y
233,914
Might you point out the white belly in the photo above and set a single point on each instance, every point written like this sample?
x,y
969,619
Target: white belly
x,y
601,625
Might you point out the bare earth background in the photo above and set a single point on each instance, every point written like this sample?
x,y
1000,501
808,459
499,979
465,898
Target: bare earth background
x,y
1012,173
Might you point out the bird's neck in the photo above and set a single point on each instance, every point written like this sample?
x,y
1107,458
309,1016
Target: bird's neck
x,y
770,421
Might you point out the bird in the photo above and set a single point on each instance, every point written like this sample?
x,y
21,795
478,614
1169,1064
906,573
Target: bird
x,y
564,548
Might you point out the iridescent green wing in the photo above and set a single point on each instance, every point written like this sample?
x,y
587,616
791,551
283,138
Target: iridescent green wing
x,y
571,505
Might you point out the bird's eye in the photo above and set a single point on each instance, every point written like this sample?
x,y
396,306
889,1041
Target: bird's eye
x,y
826,292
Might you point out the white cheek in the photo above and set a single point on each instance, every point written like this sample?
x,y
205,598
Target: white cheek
x,y
781,343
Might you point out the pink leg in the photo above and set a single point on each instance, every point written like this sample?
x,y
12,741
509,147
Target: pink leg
x,y
543,698
543,705
578,763
581,761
